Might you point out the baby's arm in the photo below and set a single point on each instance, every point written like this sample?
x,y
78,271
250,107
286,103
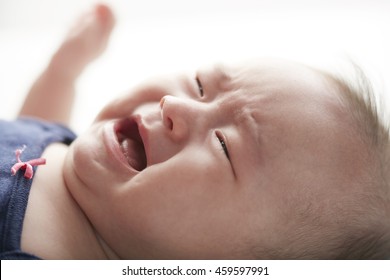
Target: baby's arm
x,y
51,96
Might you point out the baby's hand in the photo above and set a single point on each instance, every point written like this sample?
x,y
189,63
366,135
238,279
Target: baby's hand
x,y
51,96
86,40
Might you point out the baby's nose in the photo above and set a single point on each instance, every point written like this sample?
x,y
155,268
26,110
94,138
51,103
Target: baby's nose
x,y
178,114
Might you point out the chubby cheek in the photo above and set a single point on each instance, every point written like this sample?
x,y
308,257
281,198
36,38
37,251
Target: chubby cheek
x,y
167,201
160,194
90,180
83,152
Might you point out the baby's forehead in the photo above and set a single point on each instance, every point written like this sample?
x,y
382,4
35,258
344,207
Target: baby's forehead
x,y
268,75
258,71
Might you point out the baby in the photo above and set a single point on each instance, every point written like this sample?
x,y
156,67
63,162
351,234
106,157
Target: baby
x,y
265,160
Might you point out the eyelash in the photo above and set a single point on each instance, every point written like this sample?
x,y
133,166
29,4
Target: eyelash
x,y
200,87
222,141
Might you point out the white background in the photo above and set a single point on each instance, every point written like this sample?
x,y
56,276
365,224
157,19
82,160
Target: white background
x,y
155,36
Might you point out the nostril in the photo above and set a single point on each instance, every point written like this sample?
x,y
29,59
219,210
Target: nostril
x,y
169,123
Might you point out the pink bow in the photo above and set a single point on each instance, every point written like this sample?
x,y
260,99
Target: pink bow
x,y
26,165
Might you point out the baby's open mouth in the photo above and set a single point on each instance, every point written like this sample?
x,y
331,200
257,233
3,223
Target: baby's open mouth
x,y
131,143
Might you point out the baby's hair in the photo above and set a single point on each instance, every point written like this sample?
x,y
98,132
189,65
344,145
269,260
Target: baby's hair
x,y
366,233
368,238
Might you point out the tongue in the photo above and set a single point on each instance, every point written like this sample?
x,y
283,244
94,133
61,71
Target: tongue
x,y
134,153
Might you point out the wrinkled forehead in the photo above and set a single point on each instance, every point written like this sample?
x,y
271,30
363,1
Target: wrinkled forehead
x,y
268,74
275,81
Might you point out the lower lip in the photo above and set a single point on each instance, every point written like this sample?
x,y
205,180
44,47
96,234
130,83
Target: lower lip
x,y
113,147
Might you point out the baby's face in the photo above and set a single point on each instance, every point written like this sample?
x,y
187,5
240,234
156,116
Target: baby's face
x,y
212,164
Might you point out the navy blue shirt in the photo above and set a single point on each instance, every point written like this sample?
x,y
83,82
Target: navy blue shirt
x,y
35,135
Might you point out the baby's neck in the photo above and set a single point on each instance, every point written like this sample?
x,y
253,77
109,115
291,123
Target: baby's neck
x,y
54,226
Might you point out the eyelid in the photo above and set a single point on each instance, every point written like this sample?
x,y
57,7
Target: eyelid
x,y
222,139
200,87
